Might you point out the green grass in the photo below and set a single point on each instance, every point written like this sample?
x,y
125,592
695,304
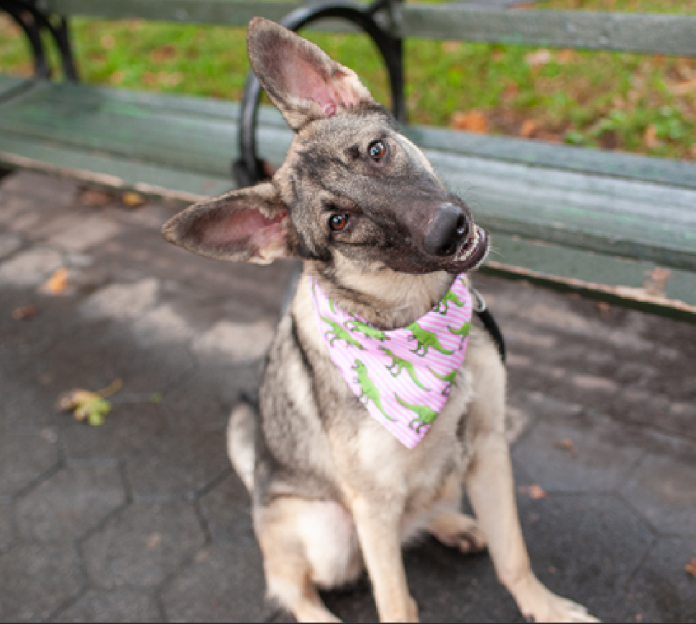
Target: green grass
x,y
630,102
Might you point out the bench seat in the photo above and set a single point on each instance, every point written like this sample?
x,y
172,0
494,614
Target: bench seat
x,y
579,219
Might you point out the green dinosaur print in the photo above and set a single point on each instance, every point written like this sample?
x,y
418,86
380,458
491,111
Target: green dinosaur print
x,y
449,378
426,416
401,364
367,330
426,339
462,331
340,334
369,390
450,297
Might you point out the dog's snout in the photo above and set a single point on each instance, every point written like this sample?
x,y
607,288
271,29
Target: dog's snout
x,y
449,227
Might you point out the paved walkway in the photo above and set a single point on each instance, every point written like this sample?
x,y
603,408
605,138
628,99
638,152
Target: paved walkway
x,y
143,519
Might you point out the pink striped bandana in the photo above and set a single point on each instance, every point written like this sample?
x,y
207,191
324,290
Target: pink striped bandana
x,y
403,376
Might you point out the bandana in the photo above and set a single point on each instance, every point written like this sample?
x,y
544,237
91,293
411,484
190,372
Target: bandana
x,y
402,376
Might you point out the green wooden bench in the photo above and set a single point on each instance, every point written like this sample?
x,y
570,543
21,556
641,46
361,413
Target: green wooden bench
x,y
615,227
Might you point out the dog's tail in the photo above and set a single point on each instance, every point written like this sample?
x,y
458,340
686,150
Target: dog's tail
x,y
241,432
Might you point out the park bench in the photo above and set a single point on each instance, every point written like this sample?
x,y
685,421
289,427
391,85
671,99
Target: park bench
x,y
615,227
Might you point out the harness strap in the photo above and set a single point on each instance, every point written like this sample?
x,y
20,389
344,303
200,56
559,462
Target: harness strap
x,y
489,323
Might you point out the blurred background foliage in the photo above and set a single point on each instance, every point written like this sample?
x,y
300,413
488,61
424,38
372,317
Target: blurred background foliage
x,y
636,103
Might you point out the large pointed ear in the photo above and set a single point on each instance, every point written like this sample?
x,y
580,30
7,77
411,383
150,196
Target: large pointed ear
x,y
299,77
246,225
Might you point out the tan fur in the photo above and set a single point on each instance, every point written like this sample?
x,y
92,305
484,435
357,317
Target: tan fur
x,y
333,491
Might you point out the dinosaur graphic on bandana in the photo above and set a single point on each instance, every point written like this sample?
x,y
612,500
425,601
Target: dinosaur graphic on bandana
x,y
402,376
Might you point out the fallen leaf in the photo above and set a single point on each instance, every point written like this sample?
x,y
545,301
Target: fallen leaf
x,y
650,137
691,567
56,284
684,88
511,90
563,57
87,405
534,491
163,54
117,77
95,198
107,42
133,199
567,445
657,280
528,128
538,58
154,541
471,121
451,46
24,313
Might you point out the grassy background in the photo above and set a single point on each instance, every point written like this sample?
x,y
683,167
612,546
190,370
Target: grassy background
x,y
630,102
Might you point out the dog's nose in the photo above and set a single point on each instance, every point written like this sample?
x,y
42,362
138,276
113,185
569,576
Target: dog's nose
x,y
449,227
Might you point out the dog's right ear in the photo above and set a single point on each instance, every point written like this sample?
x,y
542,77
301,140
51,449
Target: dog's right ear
x,y
302,80
250,225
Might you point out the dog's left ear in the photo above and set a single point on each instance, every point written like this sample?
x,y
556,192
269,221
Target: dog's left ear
x,y
299,77
247,225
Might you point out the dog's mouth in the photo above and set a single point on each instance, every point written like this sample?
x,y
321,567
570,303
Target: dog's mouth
x,y
472,253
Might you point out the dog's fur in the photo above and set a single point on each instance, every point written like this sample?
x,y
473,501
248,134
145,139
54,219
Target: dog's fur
x,y
333,492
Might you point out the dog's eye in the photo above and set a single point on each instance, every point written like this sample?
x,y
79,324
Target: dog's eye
x,y
377,150
338,221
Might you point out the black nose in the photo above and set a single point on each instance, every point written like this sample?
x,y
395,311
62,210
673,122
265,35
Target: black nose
x,y
447,229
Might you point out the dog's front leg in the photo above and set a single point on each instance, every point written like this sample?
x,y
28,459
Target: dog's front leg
x,y
379,531
491,491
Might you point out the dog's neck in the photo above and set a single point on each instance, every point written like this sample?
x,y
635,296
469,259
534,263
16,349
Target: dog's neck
x,y
384,298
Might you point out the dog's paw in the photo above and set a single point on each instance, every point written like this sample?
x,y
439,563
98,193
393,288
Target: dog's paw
x,y
458,531
538,604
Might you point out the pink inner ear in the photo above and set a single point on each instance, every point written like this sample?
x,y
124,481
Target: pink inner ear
x,y
246,229
304,81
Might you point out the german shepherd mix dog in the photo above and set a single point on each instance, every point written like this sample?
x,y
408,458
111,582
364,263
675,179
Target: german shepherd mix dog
x,y
384,242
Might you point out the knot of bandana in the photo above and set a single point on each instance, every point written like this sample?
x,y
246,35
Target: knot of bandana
x,y
402,376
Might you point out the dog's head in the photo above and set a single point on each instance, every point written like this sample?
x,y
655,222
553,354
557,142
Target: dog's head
x,y
352,190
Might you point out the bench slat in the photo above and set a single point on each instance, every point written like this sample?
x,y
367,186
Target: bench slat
x,y
183,147
645,33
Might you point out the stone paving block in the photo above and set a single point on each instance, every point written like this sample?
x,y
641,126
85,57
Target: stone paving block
x,y
580,453
122,301
31,267
7,527
234,342
585,547
69,503
219,585
37,579
161,462
162,324
80,234
119,605
9,243
143,545
227,511
663,589
46,193
23,459
662,489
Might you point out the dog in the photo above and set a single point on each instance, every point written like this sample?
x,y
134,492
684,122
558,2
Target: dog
x,y
383,243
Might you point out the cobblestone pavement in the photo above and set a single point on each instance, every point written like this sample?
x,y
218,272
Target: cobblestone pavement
x,y
142,519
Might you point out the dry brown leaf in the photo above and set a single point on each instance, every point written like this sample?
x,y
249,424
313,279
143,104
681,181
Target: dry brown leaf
x,y
650,137
684,88
23,313
691,567
451,46
163,54
133,199
563,57
528,128
511,90
534,491
567,445
538,58
657,280
57,283
95,198
107,42
471,121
